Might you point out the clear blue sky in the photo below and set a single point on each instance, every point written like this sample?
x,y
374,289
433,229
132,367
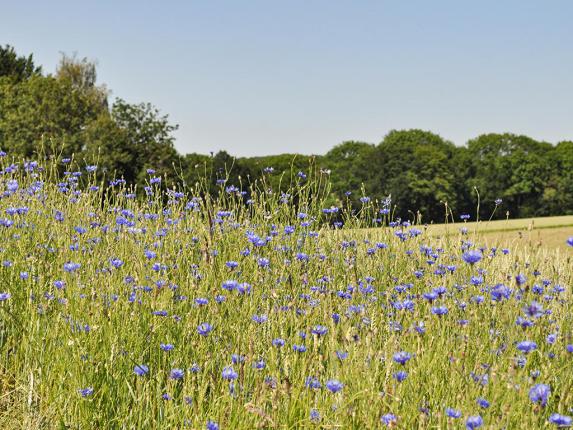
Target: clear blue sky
x,y
267,77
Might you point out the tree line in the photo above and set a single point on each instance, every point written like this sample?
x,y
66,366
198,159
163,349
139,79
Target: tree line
x,y
69,113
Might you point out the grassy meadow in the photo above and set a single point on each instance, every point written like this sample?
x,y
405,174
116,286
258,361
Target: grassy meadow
x,y
168,309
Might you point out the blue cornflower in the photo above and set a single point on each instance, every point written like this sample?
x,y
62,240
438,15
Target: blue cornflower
x,y
166,346
278,342
71,267
389,419
483,403
237,358
534,310
229,373
212,425
260,319
561,420
85,392
526,346
116,262
263,262
4,296
312,382
539,393
177,374
334,385
400,376
439,310
474,422
453,413
402,357
472,256
204,329
314,415
319,330
141,370
570,241
230,285
259,365
520,279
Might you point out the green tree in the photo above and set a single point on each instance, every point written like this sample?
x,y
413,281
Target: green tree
x,y
417,168
512,167
44,109
16,67
353,165
148,137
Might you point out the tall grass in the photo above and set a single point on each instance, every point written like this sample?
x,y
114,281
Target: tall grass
x,y
150,269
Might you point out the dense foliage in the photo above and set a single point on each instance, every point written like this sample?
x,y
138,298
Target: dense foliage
x,y
183,308
69,113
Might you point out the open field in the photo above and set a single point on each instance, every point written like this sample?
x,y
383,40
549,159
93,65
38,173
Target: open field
x,y
178,309
544,232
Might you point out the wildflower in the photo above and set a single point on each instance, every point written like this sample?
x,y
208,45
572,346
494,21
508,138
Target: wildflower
x,y
141,370
260,319
319,330
314,415
177,374
539,393
86,392
334,385
236,358
389,419
472,257
204,329
116,262
526,346
212,425
71,267
520,279
278,342
439,310
561,420
474,422
534,310
312,382
453,413
4,296
263,262
400,376
483,403
570,241
402,357
229,373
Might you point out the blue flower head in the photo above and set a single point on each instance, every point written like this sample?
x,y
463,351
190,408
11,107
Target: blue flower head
x,y
334,385
141,370
539,393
